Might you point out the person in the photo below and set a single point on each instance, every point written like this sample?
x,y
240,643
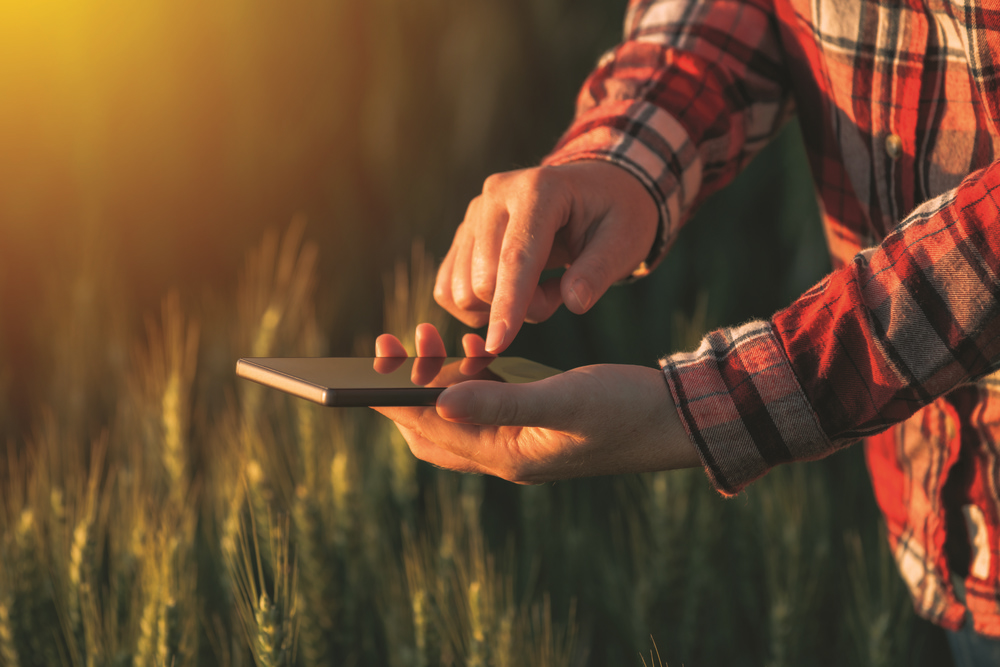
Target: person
x,y
900,345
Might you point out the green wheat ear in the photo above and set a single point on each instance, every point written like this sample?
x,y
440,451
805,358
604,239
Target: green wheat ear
x,y
160,384
476,635
148,628
318,599
8,647
35,621
110,556
269,619
419,610
80,578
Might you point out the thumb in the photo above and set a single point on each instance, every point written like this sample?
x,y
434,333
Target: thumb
x,y
611,255
499,404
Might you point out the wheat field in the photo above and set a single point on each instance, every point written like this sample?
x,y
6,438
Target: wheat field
x,y
211,521
154,510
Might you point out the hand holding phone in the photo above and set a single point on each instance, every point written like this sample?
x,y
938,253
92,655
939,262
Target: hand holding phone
x,y
595,420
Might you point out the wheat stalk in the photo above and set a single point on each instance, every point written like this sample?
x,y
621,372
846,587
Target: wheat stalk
x,y
652,662
227,474
343,488
126,584
164,371
146,647
33,621
419,609
81,560
168,634
318,599
275,289
8,646
792,555
409,296
475,657
268,620
880,616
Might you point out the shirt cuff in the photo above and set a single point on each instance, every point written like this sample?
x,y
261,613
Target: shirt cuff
x,y
742,405
650,144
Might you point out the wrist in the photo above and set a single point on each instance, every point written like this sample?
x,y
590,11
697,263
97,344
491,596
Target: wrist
x,y
671,447
644,431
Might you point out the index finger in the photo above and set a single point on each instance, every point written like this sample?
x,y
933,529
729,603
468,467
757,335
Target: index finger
x,y
524,254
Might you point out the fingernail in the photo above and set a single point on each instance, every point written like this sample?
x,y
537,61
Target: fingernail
x,y
495,336
580,292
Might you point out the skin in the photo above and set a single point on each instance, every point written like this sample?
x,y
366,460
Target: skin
x,y
598,221
596,420
593,218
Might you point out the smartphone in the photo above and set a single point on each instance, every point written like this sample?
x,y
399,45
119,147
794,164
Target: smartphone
x,y
383,381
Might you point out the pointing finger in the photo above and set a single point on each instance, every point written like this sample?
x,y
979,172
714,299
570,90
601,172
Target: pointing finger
x,y
525,252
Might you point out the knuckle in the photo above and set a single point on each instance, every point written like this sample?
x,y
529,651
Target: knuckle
x,y
441,295
465,299
483,291
518,251
494,183
474,319
471,211
534,178
442,286
538,180
484,284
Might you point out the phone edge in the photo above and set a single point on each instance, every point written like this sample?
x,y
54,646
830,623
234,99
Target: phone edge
x,y
336,398
248,370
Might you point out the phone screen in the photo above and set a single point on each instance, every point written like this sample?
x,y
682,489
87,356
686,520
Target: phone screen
x,y
383,381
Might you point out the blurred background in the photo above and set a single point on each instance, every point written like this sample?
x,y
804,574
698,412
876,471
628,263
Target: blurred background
x,y
147,146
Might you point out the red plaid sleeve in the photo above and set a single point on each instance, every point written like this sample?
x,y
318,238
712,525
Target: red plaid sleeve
x,y
867,347
694,91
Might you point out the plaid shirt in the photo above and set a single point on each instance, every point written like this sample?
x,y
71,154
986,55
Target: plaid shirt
x,y
900,109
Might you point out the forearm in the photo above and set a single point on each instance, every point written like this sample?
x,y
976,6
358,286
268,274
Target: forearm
x,y
694,91
864,349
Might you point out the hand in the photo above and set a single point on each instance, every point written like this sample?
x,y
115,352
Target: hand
x,y
596,420
592,217
432,371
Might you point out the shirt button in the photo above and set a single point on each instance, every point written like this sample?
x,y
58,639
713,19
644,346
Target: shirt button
x,y
894,147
